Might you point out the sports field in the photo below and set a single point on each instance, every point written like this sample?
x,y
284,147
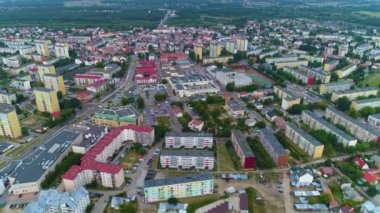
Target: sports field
x,y
372,80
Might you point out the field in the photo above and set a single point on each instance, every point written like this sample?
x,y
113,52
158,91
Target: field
x,y
33,121
372,80
225,162
129,159
261,80
197,202
370,13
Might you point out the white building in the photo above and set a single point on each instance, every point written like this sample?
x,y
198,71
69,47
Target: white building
x,y
188,140
62,50
187,159
226,76
7,98
374,120
12,62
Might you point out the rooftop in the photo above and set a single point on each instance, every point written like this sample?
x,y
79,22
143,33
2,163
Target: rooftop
x,y
304,134
241,140
191,153
188,134
6,108
269,137
178,180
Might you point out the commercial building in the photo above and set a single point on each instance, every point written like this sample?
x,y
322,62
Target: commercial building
x,y
189,140
187,159
345,71
360,130
9,122
94,166
27,176
92,134
226,76
353,94
221,59
243,150
7,97
42,48
62,50
296,63
370,102
335,87
146,72
46,100
193,85
54,82
306,142
374,120
116,117
52,200
273,147
178,187
171,57
316,122
44,69
85,80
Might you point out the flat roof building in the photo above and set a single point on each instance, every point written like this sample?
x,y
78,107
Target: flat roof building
x,y
335,87
354,94
9,122
189,140
370,102
46,100
243,150
273,147
116,117
186,159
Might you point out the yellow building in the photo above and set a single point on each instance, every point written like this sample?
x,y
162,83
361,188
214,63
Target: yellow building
x,y
9,123
42,48
198,51
215,50
62,50
54,82
45,69
46,100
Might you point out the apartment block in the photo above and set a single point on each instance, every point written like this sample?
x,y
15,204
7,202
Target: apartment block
x,y
354,94
316,73
335,87
94,164
361,131
370,102
7,97
243,150
198,49
304,78
46,100
187,159
305,141
44,69
273,147
54,82
62,50
298,63
116,117
316,122
9,122
42,48
215,50
281,59
288,98
178,187
347,70
374,120
189,140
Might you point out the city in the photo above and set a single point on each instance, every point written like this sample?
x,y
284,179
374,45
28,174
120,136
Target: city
x,y
276,115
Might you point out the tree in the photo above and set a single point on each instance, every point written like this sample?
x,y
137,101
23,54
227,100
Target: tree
x,y
343,104
159,97
260,124
20,98
59,95
130,207
334,77
367,111
124,101
99,64
164,81
372,191
267,102
140,103
230,87
24,131
296,109
173,201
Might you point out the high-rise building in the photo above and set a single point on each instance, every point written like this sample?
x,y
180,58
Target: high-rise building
x,y
230,46
44,69
46,100
62,50
9,123
54,82
198,51
343,50
242,44
215,50
42,48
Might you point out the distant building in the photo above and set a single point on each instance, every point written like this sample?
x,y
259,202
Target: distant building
x,y
345,71
54,201
42,48
335,87
146,72
44,69
178,187
196,125
187,159
374,120
330,65
370,102
215,50
226,76
354,94
243,150
46,100
116,117
188,140
9,122
198,49
7,97
234,108
242,44
54,82
297,63
62,50
273,147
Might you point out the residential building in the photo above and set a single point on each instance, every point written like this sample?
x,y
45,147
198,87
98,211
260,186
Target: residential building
x,y
215,50
343,50
354,94
198,50
226,76
370,102
230,47
288,98
317,74
172,57
44,69
369,207
273,147
360,130
12,62
374,120
304,78
196,125
187,159
296,63
92,134
116,117
234,108
304,141
345,71
178,187
62,50
54,82
94,164
221,59
335,87
7,97
330,65
9,122
316,122
42,48
85,80
188,140
243,150
46,100
242,44
52,200
281,59
21,84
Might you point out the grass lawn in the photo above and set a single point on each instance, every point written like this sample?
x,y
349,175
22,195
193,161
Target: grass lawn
x,y
129,159
197,202
372,80
254,206
33,121
225,161
370,13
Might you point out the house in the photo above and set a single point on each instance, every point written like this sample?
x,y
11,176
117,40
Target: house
x,y
234,108
301,177
361,163
370,178
250,122
196,125
243,201
350,194
329,171
271,115
177,111
117,201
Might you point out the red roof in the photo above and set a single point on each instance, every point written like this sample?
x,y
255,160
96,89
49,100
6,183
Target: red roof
x,y
360,162
196,122
88,161
176,110
370,178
